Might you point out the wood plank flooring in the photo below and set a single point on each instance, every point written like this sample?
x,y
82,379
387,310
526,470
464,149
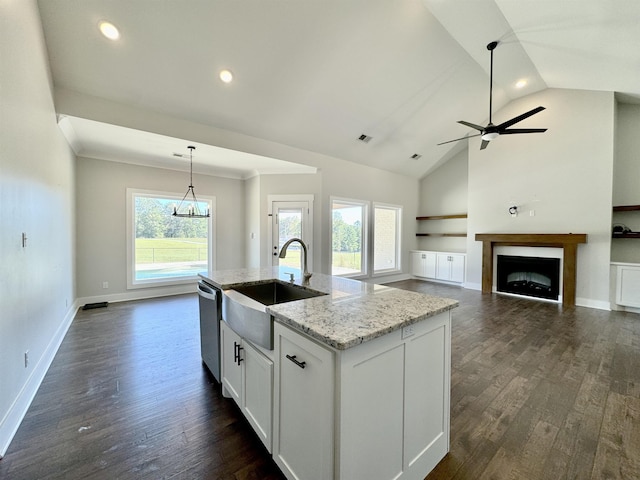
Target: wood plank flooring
x,y
538,392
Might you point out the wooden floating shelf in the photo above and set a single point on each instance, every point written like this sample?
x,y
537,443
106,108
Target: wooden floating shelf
x,y
626,235
442,217
441,234
626,208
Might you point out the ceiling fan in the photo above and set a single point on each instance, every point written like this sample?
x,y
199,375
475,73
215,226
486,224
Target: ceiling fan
x,y
491,131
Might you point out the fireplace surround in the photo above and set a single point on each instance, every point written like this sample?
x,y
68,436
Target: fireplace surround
x,y
567,241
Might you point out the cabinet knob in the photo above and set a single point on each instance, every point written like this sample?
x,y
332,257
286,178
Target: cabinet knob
x,y
294,360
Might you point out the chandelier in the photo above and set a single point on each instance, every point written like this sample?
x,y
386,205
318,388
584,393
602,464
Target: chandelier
x,y
191,208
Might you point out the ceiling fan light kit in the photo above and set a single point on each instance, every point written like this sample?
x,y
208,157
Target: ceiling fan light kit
x,y
491,131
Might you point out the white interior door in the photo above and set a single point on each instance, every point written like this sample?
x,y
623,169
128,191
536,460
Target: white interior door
x,y
290,219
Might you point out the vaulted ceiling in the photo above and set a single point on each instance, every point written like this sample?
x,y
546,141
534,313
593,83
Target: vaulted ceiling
x,y
317,74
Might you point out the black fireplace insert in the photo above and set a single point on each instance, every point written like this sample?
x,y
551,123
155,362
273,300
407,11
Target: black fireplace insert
x,y
532,276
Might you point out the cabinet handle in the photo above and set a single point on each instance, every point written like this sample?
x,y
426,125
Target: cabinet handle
x,y
236,353
294,360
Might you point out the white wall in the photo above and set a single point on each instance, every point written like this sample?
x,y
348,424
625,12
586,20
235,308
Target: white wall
x,y
337,177
626,181
253,220
564,175
36,197
101,223
444,192
349,180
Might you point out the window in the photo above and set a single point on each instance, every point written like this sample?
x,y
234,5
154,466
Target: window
x,y
348,237
386,238
163,249
351,253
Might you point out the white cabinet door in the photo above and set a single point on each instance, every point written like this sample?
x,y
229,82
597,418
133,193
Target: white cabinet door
x,y
257,392
450,267
443,266
427,392
303,414
628,286
457,267
231,363
423,264
247,377
417,265
372,410
401,430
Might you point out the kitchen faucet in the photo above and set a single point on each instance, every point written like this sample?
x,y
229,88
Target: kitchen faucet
x,y
283,252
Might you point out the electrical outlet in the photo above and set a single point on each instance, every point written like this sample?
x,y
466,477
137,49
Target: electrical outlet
x,y
26,359
407,331
105,284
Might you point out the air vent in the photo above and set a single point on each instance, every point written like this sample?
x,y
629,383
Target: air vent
x,y
416,156
365,138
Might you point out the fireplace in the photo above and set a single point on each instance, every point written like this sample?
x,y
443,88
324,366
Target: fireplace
x,y
531,276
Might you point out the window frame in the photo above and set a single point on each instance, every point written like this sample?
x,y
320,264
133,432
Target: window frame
x,y
364,259
131,194
398,239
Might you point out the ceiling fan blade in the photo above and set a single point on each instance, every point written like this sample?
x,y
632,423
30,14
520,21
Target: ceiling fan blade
x,y
484,144
519,118
512,131
472,125
461,138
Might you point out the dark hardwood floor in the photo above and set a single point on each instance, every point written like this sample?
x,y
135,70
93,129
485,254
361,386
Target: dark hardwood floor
x,y
538,392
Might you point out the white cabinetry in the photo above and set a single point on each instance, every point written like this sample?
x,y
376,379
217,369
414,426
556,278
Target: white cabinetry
x,y
628,285
423,264
247,377
445,266
388,399
450,267
303,414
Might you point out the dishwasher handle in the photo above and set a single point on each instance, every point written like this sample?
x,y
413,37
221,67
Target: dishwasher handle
x,y
206,292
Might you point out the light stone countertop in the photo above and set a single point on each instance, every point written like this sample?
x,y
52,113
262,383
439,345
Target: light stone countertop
x,y
351,313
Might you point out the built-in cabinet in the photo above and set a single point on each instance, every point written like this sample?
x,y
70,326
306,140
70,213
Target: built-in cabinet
x,y
303,414
379,410
444,266
423,264
247,377
627,284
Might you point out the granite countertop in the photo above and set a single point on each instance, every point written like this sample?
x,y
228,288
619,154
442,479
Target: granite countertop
x,y
351,313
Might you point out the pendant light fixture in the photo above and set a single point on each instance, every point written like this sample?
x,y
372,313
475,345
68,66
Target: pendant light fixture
x,y
191,208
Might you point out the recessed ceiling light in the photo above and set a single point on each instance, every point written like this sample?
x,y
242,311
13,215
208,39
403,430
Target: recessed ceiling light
x,y
109,30
521,83
226,76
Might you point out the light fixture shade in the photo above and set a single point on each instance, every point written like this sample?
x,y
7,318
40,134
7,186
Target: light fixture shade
x,y
489,136
188,207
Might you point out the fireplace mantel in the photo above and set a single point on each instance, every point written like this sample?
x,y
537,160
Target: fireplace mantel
x,y
567,241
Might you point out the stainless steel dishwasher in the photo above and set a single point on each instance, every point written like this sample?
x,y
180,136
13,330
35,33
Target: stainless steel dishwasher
x,y
210,299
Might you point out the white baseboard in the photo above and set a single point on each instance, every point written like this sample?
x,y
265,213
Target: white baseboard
x,y
590,303
388,278
141,294
12,420
472,286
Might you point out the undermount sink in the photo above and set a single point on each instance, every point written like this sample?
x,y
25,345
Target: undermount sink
x,y
276,292
244,308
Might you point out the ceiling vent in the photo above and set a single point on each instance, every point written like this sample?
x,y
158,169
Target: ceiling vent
x,y
416,156
365,138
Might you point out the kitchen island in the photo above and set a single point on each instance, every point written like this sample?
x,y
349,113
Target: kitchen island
x,y
357,384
